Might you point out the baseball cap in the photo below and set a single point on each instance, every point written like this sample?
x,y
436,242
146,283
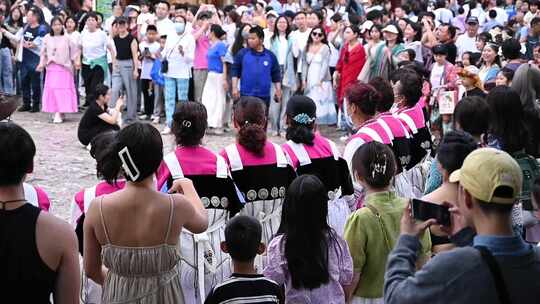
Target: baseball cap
x,y
472,19
391,29
272,13
487,169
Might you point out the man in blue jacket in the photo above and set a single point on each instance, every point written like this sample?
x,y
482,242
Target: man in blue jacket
x,y
258,68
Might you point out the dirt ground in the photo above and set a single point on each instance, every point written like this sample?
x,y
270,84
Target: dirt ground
x,y
63,166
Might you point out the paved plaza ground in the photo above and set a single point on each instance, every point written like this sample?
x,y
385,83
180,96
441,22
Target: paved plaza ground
x,y
63,166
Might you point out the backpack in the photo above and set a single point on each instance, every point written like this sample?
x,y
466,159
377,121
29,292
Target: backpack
x,y
531,170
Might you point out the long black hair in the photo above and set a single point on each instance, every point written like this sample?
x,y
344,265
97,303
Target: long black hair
x,y
324,39
53,20
507,118
100,151
306,205
239,40
275,35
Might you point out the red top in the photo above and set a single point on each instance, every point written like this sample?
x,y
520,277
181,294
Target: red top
x,y
349,65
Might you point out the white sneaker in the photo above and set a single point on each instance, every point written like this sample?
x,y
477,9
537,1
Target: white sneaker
x,y
166,131
143,117
218,131
155,120
58,118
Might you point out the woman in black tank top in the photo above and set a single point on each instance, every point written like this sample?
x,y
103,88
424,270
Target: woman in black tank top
x,y
38,252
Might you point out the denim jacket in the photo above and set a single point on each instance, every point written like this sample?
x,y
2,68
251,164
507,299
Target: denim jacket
x,y
289,76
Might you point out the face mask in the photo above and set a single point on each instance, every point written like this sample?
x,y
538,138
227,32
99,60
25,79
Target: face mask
x,y
180,28
245,35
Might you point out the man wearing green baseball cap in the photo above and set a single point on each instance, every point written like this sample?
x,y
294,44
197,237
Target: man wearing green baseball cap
x,y
500,268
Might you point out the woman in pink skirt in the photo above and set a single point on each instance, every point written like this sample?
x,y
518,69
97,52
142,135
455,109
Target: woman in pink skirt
x,y
60,57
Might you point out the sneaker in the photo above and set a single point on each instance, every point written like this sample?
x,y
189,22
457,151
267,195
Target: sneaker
x,y
155,120
144,117
275,133
58,118
344,138
24,108
166,131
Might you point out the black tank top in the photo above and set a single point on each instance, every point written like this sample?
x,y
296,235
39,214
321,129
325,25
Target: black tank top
x,y
123,47
24,277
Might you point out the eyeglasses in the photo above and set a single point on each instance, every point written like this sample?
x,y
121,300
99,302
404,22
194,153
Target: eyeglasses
x,y
317,34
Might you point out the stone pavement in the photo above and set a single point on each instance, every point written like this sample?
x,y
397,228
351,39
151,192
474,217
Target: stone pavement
x,y
63,167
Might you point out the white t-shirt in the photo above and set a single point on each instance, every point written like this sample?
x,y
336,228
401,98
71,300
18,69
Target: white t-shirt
x,y
299,42
148,63
179,66
94,44
436,76
230,29
282,50
164,27
464,43
146,18
293,7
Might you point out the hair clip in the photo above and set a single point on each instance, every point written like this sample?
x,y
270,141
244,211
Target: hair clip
x,y
246,122
186,123
378,168
304,119
128,164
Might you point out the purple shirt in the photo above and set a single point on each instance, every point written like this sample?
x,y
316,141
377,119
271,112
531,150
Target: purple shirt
x,y
201,51
340,267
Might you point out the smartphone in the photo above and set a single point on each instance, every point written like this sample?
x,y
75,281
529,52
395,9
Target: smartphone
x,y
424,211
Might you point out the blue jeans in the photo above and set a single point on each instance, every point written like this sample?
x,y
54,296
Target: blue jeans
x,y
174,86
6,72
31,83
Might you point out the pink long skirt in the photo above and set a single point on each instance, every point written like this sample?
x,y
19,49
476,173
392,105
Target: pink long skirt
x,y
59,94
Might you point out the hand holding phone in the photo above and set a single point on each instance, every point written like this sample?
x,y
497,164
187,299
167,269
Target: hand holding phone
x,y
424,211
410,226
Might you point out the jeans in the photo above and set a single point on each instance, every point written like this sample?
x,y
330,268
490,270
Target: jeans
x,y
31,83
174,86
6,72
122,80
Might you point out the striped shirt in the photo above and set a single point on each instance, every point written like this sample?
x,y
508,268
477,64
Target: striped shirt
x,y
246,288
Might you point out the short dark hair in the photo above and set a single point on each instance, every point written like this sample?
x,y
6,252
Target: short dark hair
x,y
374,14
375,163
100,90
454,147
151,27
243,236
411,53
386,93
471,115
507,73
494,208
300,13
92,15
164,2
492,14
535,21
410,87
511,48
189,123
258,31
17,151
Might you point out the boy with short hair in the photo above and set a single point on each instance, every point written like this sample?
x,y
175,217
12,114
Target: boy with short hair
x,y
148,49
243,243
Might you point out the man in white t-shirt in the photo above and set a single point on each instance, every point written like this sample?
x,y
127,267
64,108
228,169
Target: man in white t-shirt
x,y
164,25
299,38
442,14
466,42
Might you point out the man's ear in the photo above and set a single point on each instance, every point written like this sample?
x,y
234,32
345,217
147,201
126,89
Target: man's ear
x,y
224,248
468,199
261,249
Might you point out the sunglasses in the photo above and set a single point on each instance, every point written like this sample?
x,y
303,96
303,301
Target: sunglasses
x,y
317,34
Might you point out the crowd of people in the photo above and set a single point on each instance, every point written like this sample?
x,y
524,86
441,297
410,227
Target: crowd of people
x,y
436,101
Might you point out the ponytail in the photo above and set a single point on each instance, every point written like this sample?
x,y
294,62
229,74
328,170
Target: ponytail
x,y
300,133
104,151
250,117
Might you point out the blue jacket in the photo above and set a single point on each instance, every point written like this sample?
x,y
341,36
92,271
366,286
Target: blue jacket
x,y
257,71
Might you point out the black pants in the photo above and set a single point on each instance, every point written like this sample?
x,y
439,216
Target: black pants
x,y
86,135
91,78
147,88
